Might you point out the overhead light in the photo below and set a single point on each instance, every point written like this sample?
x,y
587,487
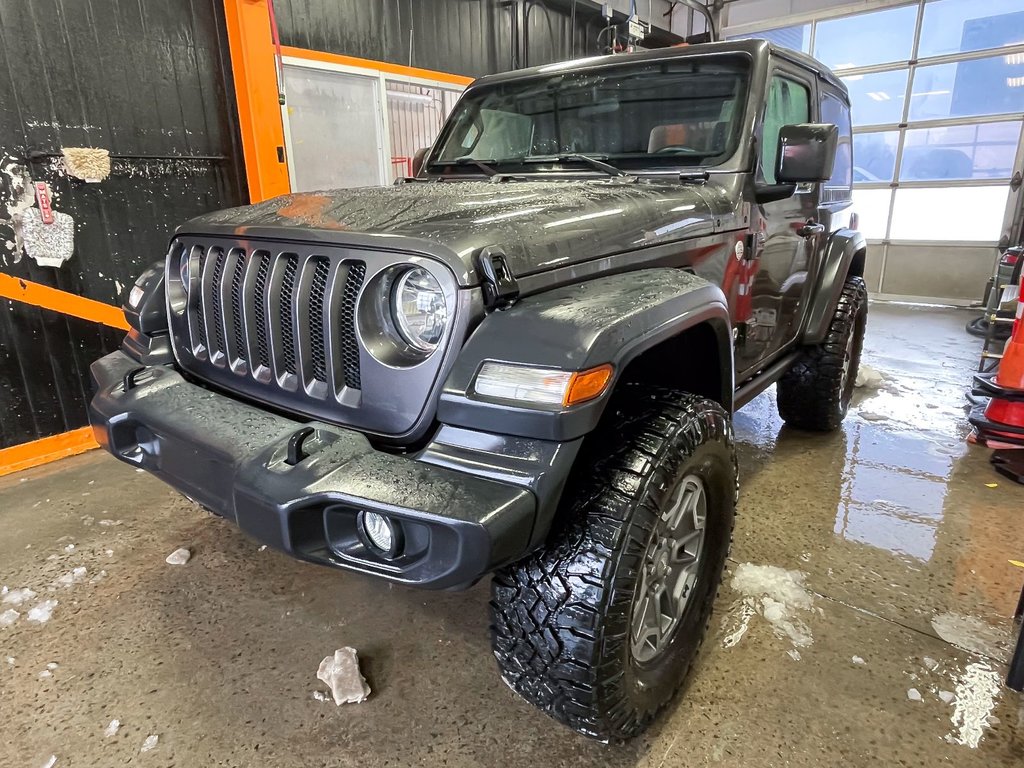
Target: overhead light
x,y
845,66
1014,58
853,78
1015,82
931,93
879,96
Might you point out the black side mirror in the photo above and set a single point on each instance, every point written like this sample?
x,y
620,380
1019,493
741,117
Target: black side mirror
x,y
807,153
417,160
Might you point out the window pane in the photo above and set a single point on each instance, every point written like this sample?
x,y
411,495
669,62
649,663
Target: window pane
x,y
835,111
877,98
950,213
798,38
960,152
789,102
843,43
874,156
953,26
989,86
321,107
872,207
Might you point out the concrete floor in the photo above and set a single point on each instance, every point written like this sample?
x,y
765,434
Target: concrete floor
x,y
894,520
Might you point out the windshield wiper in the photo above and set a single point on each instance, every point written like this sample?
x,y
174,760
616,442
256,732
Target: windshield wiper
x,y
479,164
593,162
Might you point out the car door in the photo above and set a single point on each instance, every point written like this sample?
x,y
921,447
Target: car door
x,y
781,251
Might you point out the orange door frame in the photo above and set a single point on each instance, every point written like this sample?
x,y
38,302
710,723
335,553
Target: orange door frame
x,y
259,101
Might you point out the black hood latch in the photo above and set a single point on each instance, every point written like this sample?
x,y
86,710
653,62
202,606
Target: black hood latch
x,y
497,281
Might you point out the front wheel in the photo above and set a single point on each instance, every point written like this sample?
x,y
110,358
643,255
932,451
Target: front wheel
x,y
815,393
600,628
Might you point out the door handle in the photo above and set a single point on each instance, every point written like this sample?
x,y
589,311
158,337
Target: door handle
x,y
811,228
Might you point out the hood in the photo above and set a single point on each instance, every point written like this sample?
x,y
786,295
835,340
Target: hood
x,y
539,225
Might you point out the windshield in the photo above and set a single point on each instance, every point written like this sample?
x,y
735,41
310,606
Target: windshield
x,y
685,112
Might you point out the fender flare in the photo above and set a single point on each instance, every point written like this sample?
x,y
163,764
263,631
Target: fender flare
x,y
839,253
610,319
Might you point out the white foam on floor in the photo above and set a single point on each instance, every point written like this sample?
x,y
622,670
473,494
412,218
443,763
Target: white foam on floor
x,y
778,596
976,694
8,617
150,743
17,596
72,576
112,728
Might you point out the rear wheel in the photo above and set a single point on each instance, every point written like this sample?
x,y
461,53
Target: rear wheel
x,y
815,393
600,628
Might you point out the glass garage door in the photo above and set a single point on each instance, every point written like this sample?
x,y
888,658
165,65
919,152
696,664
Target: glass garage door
x,y
938,107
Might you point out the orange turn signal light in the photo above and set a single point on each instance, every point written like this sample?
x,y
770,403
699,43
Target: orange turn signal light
x,y
586,385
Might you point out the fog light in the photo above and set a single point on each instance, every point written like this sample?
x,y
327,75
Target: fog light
x,y
380,534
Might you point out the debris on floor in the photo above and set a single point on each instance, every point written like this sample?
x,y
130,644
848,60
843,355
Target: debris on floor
x,y
179,556
858,661
41,612
72,576
50,762
112,728
8,617
150,743
914,695
778,596
868,377
341,673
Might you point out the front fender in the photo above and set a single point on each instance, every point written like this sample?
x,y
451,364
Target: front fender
x,y
611,319
840,250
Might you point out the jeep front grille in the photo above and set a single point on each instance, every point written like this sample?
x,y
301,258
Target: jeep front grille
x,y
301,327
272,316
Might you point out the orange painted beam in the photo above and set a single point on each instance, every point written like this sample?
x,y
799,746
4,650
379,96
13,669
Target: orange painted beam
x,y
28,455
45,297
379,66
257,96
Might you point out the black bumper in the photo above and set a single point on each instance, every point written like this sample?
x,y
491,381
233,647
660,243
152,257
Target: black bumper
x,y
233,458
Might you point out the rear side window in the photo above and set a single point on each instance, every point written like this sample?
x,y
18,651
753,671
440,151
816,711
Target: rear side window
x,y
789,103
835,111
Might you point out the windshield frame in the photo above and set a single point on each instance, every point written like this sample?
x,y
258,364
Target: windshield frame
x,y
734,158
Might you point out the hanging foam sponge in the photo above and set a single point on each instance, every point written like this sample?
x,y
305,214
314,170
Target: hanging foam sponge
x,y
87,163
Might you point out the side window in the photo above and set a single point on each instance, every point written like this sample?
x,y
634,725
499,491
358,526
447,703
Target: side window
x,y
789,102
833,110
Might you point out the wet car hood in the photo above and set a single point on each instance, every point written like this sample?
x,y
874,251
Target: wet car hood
x,y
539,225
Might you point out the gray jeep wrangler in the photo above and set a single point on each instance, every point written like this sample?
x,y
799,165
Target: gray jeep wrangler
x,y
524,360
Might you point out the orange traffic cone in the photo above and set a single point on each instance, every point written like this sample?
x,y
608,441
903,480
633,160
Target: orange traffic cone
x,y
1009,410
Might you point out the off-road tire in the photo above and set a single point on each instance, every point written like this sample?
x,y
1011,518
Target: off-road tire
x,y
814,394
561,618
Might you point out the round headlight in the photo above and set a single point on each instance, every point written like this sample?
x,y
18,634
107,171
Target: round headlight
x,y
418,308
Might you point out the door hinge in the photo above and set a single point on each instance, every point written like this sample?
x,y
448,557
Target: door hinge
x,y
497,281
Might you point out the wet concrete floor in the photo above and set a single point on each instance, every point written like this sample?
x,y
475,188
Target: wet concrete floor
x,y
895,534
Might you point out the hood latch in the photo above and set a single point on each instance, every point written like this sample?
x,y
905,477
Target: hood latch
x,y
497,281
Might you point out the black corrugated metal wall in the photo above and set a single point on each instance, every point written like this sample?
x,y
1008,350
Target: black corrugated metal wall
x,y
137,77
150,81
465,37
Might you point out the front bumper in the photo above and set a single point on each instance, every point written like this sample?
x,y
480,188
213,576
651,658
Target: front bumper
x,y
233,458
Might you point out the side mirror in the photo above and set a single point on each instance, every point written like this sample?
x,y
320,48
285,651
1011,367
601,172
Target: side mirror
x,y
417,160
807,153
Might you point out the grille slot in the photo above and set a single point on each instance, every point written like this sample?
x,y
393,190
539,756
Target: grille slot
x,y
284,315
218,309
260,309
347,324
317,340
238,321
